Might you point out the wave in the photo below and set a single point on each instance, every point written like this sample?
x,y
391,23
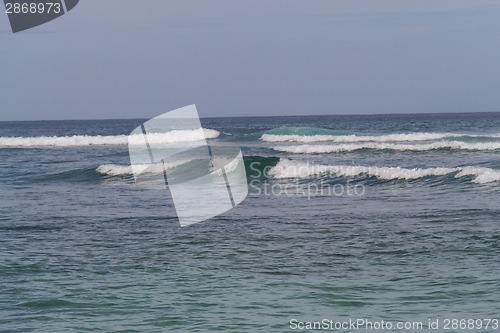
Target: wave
x,y
303,131
410,137
125,170
293,169
483,175
324,149
259,166
255,166
112,140
121,170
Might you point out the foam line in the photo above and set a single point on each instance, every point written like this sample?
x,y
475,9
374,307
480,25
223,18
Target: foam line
x,y
324,149
125,170
410,137
287,168
113,140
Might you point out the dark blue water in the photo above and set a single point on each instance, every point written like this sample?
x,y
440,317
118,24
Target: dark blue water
x,y
346,218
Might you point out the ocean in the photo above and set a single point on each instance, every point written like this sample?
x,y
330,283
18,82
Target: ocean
x,y
372,218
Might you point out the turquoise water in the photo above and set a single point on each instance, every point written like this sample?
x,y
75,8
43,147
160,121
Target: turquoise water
x,y
85,249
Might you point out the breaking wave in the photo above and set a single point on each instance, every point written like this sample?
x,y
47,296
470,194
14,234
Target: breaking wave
x,y
294,169
254,165
409,137
286,168
324,149
304,131
125,170
112,140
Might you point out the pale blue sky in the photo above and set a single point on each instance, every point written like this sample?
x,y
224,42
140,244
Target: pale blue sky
x,y
138,59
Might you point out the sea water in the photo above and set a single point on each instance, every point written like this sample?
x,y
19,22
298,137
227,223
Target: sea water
x,y
383,217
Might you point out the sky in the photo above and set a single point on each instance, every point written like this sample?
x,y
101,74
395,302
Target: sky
x,y
137,59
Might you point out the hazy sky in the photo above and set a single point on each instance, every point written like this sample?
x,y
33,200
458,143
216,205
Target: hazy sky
x,y
138,59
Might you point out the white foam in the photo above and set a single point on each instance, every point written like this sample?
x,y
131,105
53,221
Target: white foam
x,y
229,165
409,137
483,175
112,140
324,149
293,169
124,170
177,136
115,170
158,168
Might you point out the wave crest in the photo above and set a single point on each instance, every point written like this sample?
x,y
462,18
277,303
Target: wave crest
x,y
100,140
324,149
409,137
125,170
293,169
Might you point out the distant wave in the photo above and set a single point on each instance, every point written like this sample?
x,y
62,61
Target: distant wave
x,y
113,140
368,138
304,131
294,169
324,149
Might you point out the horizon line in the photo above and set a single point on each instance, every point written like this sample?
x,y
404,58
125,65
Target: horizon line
x,y
277,116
